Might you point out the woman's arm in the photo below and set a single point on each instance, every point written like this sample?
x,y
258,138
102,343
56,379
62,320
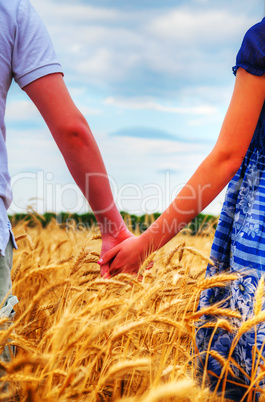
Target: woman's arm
x,y
209,179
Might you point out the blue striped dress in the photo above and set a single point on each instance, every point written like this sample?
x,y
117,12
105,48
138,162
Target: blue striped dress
x,y
239,247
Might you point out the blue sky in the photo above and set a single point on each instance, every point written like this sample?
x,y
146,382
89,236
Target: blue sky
x,y
153,78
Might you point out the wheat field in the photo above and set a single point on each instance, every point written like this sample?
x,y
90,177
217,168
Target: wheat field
x,y
82,338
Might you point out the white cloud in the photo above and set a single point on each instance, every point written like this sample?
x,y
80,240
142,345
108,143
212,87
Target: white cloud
x,y
70,12
212,94
172,60
109,47
131,163
105,64
138,162
88,111
33,149
151,105
21,110
186,27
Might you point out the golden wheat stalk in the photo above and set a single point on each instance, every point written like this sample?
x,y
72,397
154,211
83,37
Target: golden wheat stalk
x,y
79,260
91,259
216,281
177,390
59,245
108,283
181,251
250,323
40,296
63,261
122,368
221,360
146,295
173,303
259,297
172,253
98,308
126,328
212,310
181,326
147,261
199,254
19,378
73,336
96,237
128,279
41,271
20,237
89,272
21,362
198,274
220,323
95,253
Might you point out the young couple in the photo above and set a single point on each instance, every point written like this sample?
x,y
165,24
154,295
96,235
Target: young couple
x,y
238,158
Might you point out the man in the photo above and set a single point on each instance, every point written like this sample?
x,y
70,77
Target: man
x,y
27,55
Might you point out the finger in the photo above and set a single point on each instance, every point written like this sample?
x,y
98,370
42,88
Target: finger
x,y
109,255
116,268
132,271
126,269
115,271
104,271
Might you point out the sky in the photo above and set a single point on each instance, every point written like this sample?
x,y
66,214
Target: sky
x,y
153,79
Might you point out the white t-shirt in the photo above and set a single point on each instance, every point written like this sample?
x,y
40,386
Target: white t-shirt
x,y
26,54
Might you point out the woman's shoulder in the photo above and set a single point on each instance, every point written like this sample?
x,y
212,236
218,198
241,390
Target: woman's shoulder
x,y
256,31
251,55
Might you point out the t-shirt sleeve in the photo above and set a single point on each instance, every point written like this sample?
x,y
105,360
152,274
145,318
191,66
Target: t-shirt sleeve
x,y
33,52
251,55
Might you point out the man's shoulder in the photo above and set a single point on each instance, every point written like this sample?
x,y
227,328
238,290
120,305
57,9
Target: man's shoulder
x,y
9,8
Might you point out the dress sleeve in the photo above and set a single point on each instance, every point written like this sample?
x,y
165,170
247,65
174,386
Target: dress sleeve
x,y
33,53
251,55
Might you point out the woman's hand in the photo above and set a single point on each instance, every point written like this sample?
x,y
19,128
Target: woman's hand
x,y
126,257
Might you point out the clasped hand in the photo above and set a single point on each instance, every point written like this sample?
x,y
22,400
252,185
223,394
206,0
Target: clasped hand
x,y
126,257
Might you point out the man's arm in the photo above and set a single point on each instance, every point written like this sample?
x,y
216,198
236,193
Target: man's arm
x,y
80,151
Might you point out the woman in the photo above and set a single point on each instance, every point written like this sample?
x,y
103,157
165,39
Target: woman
x,y
238,158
